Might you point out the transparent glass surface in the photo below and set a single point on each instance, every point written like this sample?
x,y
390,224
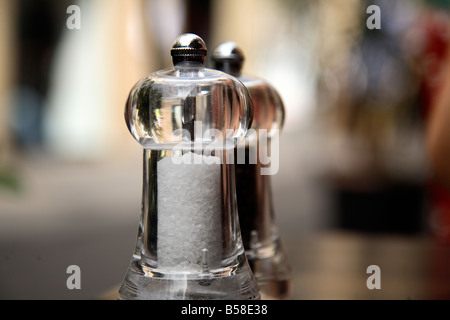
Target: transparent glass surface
x,y
260,234
268,108
163,109
189,120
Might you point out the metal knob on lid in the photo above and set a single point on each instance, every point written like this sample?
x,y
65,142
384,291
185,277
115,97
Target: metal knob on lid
x,y
229,58
189,47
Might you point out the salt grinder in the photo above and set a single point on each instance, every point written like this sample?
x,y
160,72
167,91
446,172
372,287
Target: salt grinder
x,y
254,195
189,119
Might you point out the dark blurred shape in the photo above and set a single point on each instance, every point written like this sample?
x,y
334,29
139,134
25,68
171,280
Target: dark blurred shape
x,y
39,24
198,20
378,111
38,34
391,209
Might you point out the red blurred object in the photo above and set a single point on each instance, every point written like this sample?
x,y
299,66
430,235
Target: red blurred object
x,y
435,46
436,28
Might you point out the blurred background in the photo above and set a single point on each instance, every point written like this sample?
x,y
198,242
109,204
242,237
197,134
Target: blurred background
x,y
354,188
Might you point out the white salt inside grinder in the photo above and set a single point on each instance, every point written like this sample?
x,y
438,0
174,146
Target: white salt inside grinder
x,y
189,205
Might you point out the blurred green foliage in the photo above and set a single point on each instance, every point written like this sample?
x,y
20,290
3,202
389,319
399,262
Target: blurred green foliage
x,y
9,180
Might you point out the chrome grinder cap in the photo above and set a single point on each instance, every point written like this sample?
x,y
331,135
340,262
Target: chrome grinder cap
x,y
189,47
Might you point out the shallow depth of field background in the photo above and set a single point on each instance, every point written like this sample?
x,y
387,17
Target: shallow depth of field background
x,y
353,188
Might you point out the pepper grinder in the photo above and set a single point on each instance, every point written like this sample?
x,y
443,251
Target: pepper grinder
x,y
189,119
254,194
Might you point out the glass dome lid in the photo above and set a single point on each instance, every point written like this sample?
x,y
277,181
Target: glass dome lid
x,y
188,106
268,107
